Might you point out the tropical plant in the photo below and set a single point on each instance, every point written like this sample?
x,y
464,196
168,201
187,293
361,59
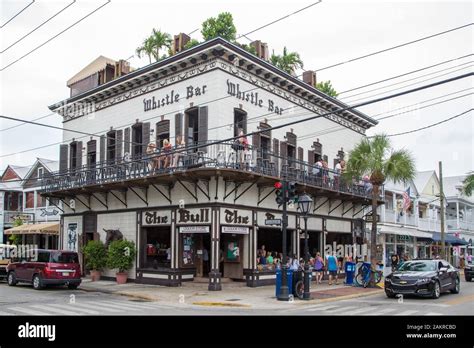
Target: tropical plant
x,y
288,61
222,26
121,255
326,87
374,157
15,239
191,43
468,184
95,255
153,44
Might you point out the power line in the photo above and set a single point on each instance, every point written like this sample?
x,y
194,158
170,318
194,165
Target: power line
x,y
279,19
431,125
18,13
22,124
39,26
55,36
329,113
394,47
405,74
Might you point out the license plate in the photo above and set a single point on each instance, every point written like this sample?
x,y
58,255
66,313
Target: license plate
x,y
65,274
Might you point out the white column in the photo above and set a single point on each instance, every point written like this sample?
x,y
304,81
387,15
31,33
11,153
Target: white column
x,y
394,201
23,203
416,211
457,214
35,202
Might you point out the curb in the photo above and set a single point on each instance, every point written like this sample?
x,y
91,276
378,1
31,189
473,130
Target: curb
x,y
347,297
120,293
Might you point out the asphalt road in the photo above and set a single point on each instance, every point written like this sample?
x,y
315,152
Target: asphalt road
x,y
23,300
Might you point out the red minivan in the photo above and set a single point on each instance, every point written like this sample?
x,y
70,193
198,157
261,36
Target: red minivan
x,y
46,267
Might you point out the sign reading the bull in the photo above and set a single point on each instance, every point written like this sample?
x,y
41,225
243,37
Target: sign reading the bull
x,y
156,218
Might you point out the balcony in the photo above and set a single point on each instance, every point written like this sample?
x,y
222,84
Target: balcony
x,y
463,225
205,162
394,217
431,225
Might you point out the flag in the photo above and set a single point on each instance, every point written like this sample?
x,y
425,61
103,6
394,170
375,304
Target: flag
x,y
406,199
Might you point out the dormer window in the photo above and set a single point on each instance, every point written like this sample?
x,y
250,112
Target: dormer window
x,y
40,173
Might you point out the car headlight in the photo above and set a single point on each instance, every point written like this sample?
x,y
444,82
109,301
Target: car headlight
x,y
423,280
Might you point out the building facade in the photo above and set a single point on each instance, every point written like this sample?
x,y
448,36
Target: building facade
x,y
201,209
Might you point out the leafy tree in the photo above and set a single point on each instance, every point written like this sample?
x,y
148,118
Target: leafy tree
x,y
121,255
326,87
153,44
288,61
145,49
191,43
222,26
468,184
95,255
375,158
249,48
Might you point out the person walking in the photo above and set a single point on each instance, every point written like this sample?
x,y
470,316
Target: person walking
x,y
318,267
332,267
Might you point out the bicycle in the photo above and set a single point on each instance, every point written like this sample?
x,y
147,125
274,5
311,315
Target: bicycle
x,y
298,289
363,276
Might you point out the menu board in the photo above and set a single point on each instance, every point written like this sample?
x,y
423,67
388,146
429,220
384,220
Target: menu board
x,y
188,250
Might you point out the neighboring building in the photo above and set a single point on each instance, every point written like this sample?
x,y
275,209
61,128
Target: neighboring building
x,y
459,212
206,216
20,199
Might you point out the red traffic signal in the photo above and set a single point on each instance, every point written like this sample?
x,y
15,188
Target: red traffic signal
x,y
278,185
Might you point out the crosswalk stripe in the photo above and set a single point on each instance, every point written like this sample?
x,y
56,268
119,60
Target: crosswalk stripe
x,y
117,306
321,308
55,310
409,312
97,307
342,309
27,311
74,307
382,311
131,305
433,313
360,310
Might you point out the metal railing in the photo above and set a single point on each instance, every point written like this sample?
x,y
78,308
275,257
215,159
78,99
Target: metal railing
x,y
463,225
221,155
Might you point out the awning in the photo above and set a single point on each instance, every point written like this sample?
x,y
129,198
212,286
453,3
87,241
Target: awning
x,y
448,238
47,228
404,232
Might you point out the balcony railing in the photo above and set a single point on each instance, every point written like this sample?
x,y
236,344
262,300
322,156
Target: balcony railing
x,y
394,217
463,225
216,156
426,224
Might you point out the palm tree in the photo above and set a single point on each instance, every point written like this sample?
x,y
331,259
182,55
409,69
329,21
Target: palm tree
x,y
468,184
287,62
375,158
146,48
159,40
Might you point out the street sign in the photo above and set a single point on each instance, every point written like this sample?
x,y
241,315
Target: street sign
x,y
369,218
270,222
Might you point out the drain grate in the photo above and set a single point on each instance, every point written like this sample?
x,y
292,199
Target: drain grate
x,y
140,300
234,299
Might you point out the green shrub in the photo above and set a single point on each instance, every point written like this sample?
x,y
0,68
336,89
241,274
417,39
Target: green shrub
x,y
121,255
95,255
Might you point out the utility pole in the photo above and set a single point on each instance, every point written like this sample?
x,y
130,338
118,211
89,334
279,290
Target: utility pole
x,y
441,199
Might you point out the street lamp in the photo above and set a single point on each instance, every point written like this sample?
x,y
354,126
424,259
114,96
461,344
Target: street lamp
x,y
304,205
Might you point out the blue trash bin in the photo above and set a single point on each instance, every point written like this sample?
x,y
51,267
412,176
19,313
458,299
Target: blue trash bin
x,y
289,279
350,271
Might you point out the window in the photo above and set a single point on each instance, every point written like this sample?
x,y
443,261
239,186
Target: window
x,y
40,200
40,173
73,155
137,140
192,126
111,136
30,200
240,121
162,132
91,153
156,248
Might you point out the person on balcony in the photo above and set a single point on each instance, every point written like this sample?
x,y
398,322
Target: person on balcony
x,y
165,158
242,149
179,155
325,172
153,160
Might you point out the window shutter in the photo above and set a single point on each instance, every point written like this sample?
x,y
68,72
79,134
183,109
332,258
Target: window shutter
x,y
79,155
145,136
276,151
178,126
202,127
102,148
300,157
126,143
256,143
318,148
118,145
63,151
310,157
244,123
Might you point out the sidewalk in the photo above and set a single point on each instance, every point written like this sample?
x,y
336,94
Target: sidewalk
x,y
235,294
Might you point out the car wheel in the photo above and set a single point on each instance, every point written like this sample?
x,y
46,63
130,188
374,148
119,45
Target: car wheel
x,y
11,279
436,290
390,294
457,286
72,286
37,282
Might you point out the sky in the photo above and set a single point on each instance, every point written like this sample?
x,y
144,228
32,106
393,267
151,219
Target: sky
x,y
327,33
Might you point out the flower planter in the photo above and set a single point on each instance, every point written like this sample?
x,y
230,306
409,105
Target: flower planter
x,y
95,275
121,277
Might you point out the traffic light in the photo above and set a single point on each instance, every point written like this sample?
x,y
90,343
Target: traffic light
x,y
280,192
292,195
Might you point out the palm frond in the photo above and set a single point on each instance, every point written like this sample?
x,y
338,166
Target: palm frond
x,y
400,166
468,185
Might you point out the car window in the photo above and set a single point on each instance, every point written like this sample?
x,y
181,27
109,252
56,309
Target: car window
x,y
418,266
59,257
43,256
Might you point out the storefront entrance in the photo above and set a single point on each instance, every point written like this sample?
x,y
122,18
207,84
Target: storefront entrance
x,y
230,256
195,252
272,239
156,248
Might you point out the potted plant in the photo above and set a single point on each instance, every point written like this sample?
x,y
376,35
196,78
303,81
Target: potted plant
x,y
121,256
95,257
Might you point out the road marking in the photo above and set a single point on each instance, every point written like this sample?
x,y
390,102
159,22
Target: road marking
x,y
126,305
409,312
405,302
433,313
342,309
98,307
27,311
117,306
75,307
460,299
382,311
361,310
322,308
55,310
